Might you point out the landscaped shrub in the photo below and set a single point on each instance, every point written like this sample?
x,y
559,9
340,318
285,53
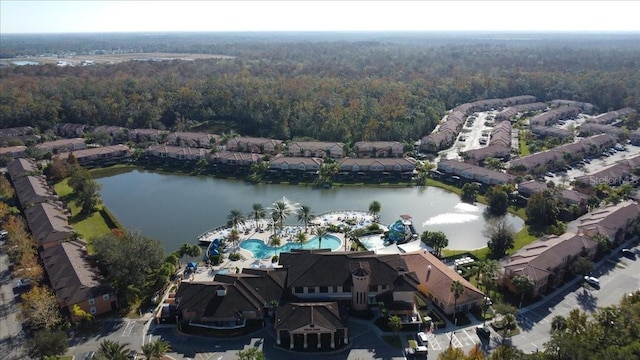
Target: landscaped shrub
x,y
274,259
438,322
216,259
234,256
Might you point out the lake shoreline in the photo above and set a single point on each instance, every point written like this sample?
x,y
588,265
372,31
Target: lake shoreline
x,y
199,214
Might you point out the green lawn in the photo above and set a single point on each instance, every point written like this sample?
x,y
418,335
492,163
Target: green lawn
x,y
87,226
524,147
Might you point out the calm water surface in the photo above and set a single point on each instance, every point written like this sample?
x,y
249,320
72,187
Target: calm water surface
x,y
175,209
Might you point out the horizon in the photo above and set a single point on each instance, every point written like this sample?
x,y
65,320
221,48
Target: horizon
x,y
99,17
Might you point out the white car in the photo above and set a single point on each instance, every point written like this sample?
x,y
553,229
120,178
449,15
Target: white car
x,y
23,282
422,338
593,281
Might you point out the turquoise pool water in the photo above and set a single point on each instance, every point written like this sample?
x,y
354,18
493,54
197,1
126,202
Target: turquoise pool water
x,y
260,250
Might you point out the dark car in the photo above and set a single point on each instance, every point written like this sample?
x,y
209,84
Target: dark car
x,y
483,331
629,253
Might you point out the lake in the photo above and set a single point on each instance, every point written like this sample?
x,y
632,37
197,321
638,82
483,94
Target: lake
x,y
176,208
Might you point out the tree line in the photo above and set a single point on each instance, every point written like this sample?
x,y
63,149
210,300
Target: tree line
x,y
335,91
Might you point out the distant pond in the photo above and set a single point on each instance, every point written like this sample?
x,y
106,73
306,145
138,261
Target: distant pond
x,y
176,208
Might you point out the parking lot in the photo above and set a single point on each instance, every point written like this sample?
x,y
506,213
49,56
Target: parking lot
x,y
471,135
596,165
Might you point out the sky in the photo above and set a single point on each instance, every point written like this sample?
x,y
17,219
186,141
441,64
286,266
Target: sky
x,y
27,16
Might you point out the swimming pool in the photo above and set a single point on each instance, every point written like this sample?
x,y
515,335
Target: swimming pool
x,y
260,250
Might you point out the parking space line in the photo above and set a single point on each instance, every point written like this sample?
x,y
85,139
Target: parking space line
x,y
455,342
128,328
473,342
435,345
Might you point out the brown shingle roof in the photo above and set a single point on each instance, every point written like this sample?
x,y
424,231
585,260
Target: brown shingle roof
x,y
72,277
437,277
250,290
21,167
547,255
296,315
305,267
610,219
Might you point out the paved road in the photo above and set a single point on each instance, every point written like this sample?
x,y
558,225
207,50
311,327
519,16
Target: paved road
x,y
618,276
366,343
11,335
126,331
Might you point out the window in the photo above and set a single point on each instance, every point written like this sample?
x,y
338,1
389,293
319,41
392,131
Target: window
x,y
298,290
93,310
324,289
105,297
311,290
346,288
373,288
92,301
335,289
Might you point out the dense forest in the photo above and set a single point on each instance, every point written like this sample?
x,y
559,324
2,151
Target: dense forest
x,y
348,87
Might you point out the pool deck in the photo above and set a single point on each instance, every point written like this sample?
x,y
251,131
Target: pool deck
x,y
250,231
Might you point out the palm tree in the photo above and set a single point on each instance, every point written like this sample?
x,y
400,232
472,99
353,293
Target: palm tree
x,y
235,218
374,209
457,289
558,323
252,353
476,353
523,284
191,250
233,237
156,349
305,215
274,242
281,210
112,350
395,323
451,353
489,270
509,324
301,237
257,213
320,233
274,221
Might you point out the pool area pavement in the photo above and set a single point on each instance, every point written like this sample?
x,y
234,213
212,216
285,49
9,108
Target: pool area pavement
x,y
256,254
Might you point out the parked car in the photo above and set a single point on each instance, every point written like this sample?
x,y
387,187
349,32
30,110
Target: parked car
x,y
593,281
4,234
90,355
23,282
133,354
419,352
629,253
483,331
422,338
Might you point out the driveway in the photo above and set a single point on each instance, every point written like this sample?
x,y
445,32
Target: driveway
x,y
11,335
